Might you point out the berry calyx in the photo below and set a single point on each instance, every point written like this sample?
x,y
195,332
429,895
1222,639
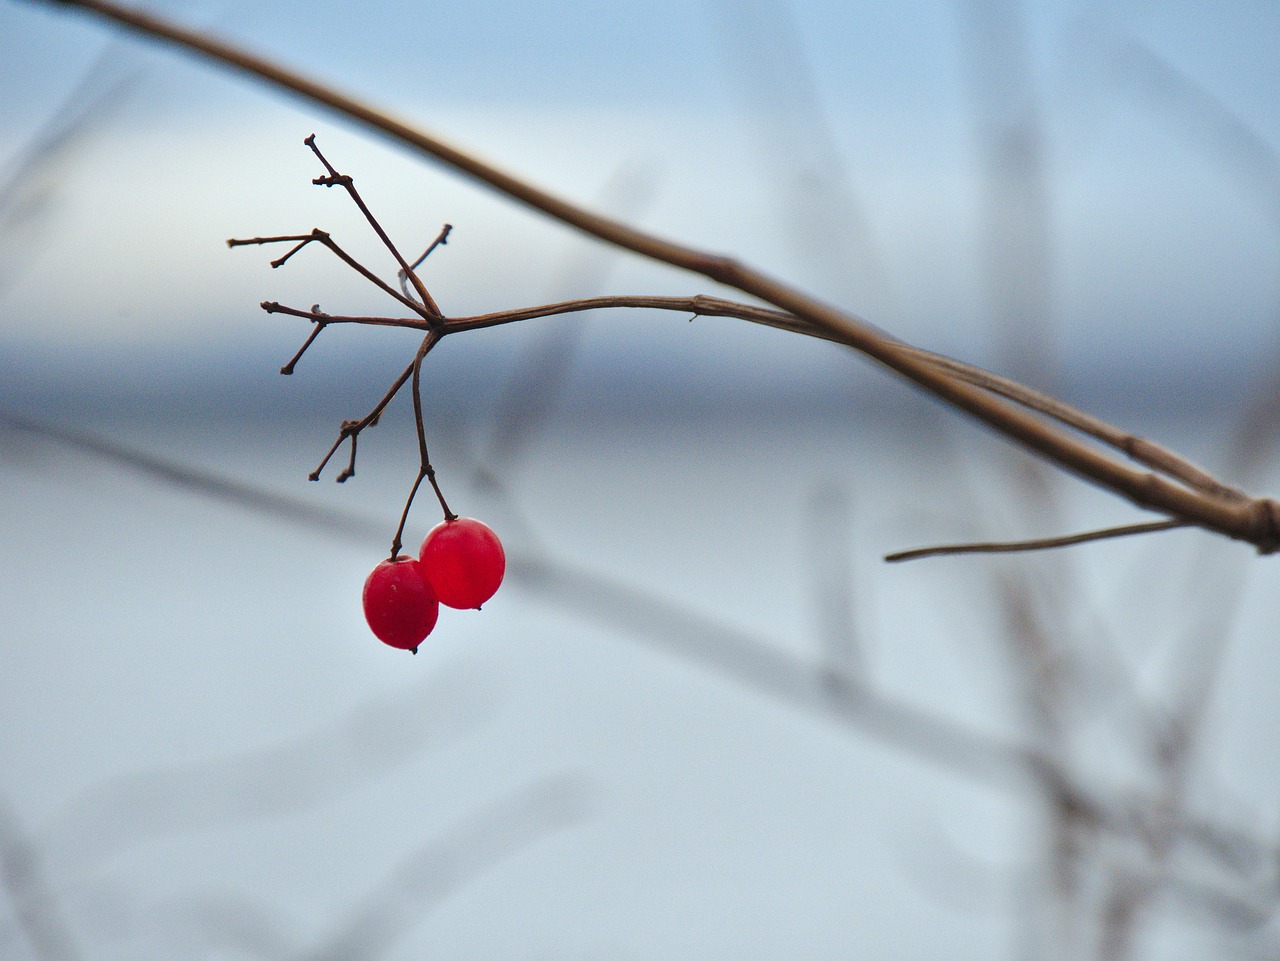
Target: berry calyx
x,y
399,604
463,561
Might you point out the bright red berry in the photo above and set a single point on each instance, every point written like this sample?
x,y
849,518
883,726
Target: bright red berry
x,y
399,604
463,561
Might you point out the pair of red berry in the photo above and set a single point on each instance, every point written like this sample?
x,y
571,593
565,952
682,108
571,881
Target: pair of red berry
x,y
460,565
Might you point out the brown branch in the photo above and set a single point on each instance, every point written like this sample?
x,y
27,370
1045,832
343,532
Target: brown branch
x,y
1136,448
425,470
317,316
1256,521
335,179
352,428
1139,449
322,237
441,239
1039,544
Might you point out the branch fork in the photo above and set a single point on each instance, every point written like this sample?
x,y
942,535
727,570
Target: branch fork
x,y
413,294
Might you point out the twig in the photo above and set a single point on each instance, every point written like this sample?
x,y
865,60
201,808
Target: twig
x,y
1040,544
317,317
425,470
441,239
352,428
335,179
319,236
431,323
1139,449
1256,521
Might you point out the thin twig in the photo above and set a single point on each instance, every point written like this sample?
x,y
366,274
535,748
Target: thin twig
x,y
322,237
1040,544
425,470
345,181
441,239
352,428
320,323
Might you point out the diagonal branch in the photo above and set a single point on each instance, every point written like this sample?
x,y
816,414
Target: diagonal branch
x,y
1256,521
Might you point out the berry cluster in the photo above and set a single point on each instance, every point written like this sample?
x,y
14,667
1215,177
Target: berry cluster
x,y
460,565
461,562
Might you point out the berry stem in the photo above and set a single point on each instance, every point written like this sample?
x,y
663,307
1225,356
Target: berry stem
x,y
425,469
398,541
448,514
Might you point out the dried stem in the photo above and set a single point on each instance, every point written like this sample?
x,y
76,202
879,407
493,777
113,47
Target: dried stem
x,y
1039,544
425,470
441,239
1139,449
317,315
322,237
345,181
352,428
428,310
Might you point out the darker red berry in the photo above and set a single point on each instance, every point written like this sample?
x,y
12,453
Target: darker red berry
x,y
463,561
399,604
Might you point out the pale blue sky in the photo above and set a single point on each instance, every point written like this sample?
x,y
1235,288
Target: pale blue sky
x,y
1160,229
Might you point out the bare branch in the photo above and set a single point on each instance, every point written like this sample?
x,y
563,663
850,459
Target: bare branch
x,y
1139,449
425,470
442,238
1256,521
1040,544
322,237
352,428
345,181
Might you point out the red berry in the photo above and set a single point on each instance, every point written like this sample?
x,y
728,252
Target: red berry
x,y
463,561
399,604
